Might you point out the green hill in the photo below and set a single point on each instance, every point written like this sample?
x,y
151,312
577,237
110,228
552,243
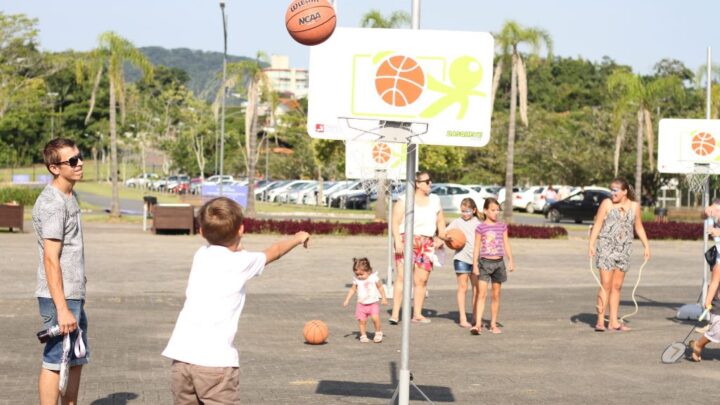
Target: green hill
x,y
203,67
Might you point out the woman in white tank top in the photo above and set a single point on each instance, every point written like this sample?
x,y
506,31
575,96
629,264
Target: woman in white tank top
x,y
428,220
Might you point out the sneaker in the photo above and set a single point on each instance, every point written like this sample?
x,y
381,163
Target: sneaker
x,y
364,339
378,337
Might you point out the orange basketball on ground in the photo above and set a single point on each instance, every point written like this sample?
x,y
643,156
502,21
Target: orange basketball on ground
x,y
315,332
457,241
703,143
399,80
310,22
381,153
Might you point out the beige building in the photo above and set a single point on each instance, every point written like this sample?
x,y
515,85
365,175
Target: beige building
x,y
285,79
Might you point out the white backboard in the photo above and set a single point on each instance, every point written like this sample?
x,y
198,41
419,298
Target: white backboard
x,y
441,80
363,160
685,143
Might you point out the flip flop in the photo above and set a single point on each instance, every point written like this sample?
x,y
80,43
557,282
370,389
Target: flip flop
x,y
475,331
422,320
694,356
600,328
465,325
495,331
621,328
393,321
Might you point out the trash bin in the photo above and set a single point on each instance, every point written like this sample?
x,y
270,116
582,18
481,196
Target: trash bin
x,y
660,214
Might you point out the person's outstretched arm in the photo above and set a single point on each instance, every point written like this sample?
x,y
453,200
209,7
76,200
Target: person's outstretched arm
x,y
278,250
350,294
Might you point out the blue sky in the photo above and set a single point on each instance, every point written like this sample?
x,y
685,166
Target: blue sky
x,y
636,32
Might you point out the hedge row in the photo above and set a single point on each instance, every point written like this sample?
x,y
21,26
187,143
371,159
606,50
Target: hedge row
x,y
287,227
673,230
21,195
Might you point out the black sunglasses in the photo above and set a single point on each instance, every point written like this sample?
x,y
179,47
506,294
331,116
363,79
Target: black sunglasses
x,y
424,181
72,162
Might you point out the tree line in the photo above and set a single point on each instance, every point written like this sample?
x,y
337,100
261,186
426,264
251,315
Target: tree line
x,y
555,119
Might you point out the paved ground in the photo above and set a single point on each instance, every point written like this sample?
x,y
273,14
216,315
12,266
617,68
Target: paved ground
x,y
548,353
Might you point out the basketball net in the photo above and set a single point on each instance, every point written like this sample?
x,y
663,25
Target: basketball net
x,y
697,180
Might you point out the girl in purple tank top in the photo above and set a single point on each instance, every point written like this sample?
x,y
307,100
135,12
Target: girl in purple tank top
x,y
491,247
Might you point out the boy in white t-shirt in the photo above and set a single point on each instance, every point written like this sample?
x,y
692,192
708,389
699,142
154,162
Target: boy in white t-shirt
x,y
205,361
369,290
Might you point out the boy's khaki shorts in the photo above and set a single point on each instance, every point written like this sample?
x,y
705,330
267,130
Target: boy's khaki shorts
x,y
192,384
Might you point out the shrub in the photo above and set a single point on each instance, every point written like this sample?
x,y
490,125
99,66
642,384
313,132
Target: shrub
x,y
287,227
536,232
22,195
673,230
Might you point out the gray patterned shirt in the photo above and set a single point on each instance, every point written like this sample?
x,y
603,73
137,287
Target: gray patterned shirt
x,y
57,216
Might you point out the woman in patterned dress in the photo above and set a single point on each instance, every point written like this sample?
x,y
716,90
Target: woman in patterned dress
x,y
616,219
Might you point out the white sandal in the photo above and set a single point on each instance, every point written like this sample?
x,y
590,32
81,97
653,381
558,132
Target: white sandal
x,y
378,337
364,339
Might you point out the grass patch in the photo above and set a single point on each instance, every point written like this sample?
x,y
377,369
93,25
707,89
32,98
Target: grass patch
x,y
126,193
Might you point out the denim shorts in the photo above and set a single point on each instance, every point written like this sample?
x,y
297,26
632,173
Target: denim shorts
x,y
461,267
52,354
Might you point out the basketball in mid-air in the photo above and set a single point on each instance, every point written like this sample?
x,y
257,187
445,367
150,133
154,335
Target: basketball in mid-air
x,y
315,332
399,80
310,22
703,143
457,239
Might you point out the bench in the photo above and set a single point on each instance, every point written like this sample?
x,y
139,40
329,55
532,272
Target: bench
x,y
173,217
11,216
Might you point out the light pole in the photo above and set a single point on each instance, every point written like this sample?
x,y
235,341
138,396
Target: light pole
x,y
224,90
53,97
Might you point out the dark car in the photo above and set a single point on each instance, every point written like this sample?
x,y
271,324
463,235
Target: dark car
x,y
581,206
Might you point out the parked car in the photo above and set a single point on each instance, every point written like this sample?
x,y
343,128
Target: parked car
x,y
486,191
355,200
215,179
308,196
501,193
523,199
329,187
265,194
295,195
179,184
338,199
580,206
280,194
196,185
451,195
143,180
539,200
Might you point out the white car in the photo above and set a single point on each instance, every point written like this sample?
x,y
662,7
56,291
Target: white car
x,y
280,194
143,180
451,195
295,195
523,199
486,191
501,194
227,179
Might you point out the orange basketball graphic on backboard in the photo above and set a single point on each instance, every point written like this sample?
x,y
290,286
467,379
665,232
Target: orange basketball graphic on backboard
x,y
381,153
703,143
399,80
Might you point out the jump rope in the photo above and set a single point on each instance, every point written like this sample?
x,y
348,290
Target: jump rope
x,y
603,298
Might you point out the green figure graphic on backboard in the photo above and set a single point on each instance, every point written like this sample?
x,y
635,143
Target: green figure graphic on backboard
x,y
465,75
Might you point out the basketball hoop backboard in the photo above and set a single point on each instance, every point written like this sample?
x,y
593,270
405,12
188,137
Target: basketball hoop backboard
x,y
364,159
688,146
437,83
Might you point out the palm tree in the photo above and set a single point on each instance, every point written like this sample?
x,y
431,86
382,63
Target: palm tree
x,y
631,91
112,53
511,36
375,19
258,89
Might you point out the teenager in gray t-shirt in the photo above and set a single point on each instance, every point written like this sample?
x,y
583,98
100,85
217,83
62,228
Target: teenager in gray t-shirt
x,y
57,216
60,287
